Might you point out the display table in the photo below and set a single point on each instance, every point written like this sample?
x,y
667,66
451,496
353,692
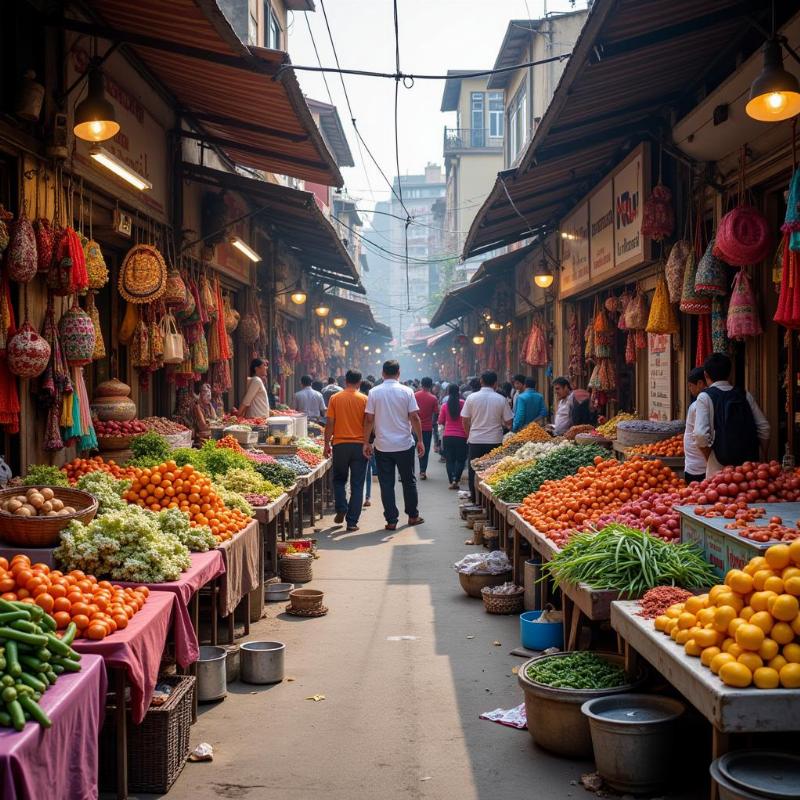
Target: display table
x,y
497,512
60,763
729,710
37,555
243,573
268,518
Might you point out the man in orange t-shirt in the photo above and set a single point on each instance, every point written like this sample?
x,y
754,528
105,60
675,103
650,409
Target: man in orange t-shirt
x,y
345,428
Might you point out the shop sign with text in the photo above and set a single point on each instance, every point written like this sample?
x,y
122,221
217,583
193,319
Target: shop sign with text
x,y
601,230
575,251
630,185
659,377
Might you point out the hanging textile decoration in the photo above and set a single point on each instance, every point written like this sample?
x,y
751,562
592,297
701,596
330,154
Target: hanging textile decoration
x,y
588,352
129,323
208,297
5,233
28,353
140,346
705,346
637,312
791,223
678,258
630,348
662,317
94,314
788,311
67,273
175,292
711,279
143,274
156,337
96,268
76,331
9,399
719,335
575,368
742,312
624,300
535,353
640,337
691,302
21,258
658,218
249,329
199,359
45,242
53,382
743,237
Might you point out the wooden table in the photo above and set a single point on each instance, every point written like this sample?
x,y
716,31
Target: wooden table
x,y
729,710
579,601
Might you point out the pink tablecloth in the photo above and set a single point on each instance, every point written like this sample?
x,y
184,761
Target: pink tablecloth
x,y
59,763
205,567
139,647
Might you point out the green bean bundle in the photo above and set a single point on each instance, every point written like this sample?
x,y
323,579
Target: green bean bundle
x,y
629,561
577,671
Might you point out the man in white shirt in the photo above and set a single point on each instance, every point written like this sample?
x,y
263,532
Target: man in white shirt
x,y
725,431
485,415
562,420
694,460
393,414
309,401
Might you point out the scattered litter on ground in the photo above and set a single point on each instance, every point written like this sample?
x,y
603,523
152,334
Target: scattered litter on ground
x,y
496,643
512,717
203,752
470,636
316,697
515,670
592,782
290,679
405,638
426,778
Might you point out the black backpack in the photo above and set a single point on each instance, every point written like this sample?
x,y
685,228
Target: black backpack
x,y
582,412
735,434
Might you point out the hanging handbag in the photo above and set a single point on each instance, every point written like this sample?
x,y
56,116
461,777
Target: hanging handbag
x,y
21,259
691,302
140,346
658,218
94,315
743,237
679,257
662,317
173,340
175,293
719,336
200,356
637,312
711,279
129,323
742,312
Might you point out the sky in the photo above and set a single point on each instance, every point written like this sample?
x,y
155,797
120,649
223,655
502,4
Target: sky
x,y
435,35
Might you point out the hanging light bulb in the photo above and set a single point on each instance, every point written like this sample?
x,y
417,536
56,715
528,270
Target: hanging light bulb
x,y
298,298
495,326
478,338
542,276
378,350
339,322
95,117
347,343
775,93
366,348
322,310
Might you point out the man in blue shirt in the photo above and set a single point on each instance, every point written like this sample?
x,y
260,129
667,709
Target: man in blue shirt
x,y
530,407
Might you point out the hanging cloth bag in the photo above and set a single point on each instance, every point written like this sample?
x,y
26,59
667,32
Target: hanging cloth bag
x,y
711,280
173,340
743,237
691,302
662,317
742,312
788,311
791,224
94,314
21,259
140,346
658,218
637,312
719,335
679,257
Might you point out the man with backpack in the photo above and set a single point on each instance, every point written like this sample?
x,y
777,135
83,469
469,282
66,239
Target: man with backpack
x,y
729,426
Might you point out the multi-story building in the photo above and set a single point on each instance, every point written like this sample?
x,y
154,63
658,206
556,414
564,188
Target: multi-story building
x,y
473,155
262,23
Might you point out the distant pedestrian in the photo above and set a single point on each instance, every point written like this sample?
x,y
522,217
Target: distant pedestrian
x,y
309,401
530,407
518,382
485,414
392,413
344,431
331,389
428,409
455,437
371,468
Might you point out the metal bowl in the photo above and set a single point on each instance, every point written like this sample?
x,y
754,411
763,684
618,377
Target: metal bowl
x,y
278,591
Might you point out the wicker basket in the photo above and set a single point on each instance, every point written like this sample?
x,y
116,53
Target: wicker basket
x,y
503,603
296,570
158,748
306,599
107,443
473,583
43,531
176,440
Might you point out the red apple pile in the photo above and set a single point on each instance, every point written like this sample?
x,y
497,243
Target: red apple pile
x,y
131,427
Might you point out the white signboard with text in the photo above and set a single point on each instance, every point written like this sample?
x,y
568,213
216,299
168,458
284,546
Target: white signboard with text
x,y
601,230
629,189
659,377
575,251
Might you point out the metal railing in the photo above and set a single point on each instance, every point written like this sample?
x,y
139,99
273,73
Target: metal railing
x,y
470,139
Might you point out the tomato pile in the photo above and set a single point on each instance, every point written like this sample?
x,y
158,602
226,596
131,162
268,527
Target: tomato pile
x,y
312,459
231,443
171,486
667,448
79,467
98,608
577,501
752,482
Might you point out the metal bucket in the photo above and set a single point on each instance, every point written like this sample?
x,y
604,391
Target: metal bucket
x,y
278,591
634,737
262,662
211,682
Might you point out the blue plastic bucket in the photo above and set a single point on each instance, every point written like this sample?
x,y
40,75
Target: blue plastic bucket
x,y
539,635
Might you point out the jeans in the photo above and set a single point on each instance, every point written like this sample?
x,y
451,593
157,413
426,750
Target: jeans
x,y
371,470
436,438
348,458
423,459
403,460
476,451
455,450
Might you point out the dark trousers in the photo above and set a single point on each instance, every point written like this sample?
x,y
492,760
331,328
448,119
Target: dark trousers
x,y
403,461
476,451
436,440
455,453
423,459
348,460
689,478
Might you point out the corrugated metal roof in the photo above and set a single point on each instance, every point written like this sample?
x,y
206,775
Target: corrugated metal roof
x,y
331,124
512,50
461,301
632,62
452,88
231,90
356,314
295,218
500,265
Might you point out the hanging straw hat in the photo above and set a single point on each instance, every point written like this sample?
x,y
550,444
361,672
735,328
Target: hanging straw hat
x,y
143,275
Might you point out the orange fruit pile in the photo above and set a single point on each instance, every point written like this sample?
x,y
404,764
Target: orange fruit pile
x,y
171,486
98,608
79,467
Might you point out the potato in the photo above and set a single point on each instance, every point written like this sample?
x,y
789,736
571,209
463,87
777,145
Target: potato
x,y
48,494
57,504
36,500
12,505
47,506
69,510
25,511
31,509
52,514
22,498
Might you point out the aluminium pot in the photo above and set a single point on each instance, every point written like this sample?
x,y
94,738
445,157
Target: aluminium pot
x,y
262,662
211,678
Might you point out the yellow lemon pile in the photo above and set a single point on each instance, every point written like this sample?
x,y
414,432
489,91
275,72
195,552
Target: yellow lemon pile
x,y
746,630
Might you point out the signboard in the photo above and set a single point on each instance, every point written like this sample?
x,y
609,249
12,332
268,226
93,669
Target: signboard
x,y
226,257
630,248
601,230
575,251
659,376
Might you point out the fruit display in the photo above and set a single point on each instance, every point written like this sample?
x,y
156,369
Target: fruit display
x,y
752,482
231,443
277,473
652,511
629,561
495,455
553,466
609,428
538,449
257,500
532,432
95,608
560,507
107,490
82,466
310,459
170,486
747,629
245,481
36,503
666,448
113,428
149,449
257,457
309,444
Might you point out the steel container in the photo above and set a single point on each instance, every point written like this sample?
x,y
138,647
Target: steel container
x,y
262,662
278,591
211,681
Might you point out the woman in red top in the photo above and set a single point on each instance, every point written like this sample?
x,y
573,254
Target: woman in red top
x,y
455,437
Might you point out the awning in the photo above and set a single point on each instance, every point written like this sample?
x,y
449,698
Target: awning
x,y
503,264
381,330
459,302
226,89
357,314
632,63
294,217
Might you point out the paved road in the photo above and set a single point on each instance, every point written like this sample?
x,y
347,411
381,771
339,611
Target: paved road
x,y
400,718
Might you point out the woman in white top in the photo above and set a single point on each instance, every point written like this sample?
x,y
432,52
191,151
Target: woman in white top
x,y
255,403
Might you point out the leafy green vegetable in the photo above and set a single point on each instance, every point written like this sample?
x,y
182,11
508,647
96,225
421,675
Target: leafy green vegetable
x,y
45,475
277,473
629,561
553,466
582,670
248,480
150,446
232,499
215,460
198,539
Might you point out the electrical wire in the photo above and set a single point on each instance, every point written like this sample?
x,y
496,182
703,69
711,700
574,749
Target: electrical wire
x,y
319,61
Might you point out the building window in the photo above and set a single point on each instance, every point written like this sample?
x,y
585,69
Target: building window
x,y
476,107
496,113
272,36
517,126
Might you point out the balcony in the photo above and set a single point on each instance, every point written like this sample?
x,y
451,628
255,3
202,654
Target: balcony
x,y
460,140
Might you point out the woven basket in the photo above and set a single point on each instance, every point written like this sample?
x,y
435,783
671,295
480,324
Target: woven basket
x,y
306,599
114,442
158,748
143,274
472,584
296,570
43,531
503,603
